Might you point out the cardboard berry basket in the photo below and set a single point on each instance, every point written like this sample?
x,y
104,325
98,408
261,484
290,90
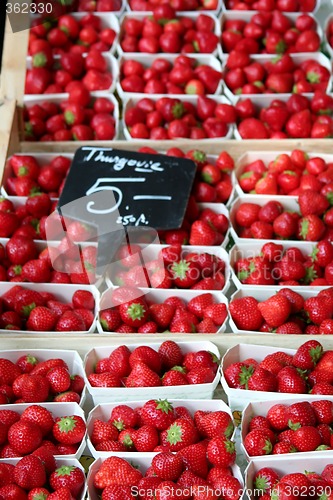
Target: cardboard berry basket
x,y
159,295
288,464
71,358
112,67
289,204
262,293
147,60
263,58
103,412
42,159
151,252
131,102
266,157
109,394
30,100
141,462
252,249
141,15
238,399
246,15
214,12
59,463
62,292
261,408
57,410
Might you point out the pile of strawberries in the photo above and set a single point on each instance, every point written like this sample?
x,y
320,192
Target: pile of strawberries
x,y
298,117
183,76
145,367
38,476
29,380
167,32
309,369
68,35
276,265
81,118
27,175
273,221
292,173
196,472
26,309
170,118
22,434
270,482
173,268
212,182
271,5
158,426
57,75
21,261
280,75
201,314
271,33
299,427
180,5
287,312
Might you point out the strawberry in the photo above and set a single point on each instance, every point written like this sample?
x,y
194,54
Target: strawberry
x,y
30,473
68,476
306,438
39,415
158,413
237,374
170,354
123,417
318,309
277,417
8,372
61,494
9,417
134,313
198,304
142,376
25,437
147,355
174,377
218,423
20,250
12,492
179,434
290,381
194,459
146,438
119,361
104,380
311,203
265,479
167,466
26,300
70,321
257,443
200,375
202,233
185,273
221,452
246,314
110,446
262,380
38,494
116,471
41,319
162,314
83,299
26,363
36,271
9,222
259,422
59,379
323,410
109,319
67,397
300,414
311,228
103,431
275,310
69,430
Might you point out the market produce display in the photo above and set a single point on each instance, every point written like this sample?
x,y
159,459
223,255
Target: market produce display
x,y
218,405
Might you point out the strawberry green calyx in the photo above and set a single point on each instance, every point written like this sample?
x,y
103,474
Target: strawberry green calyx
x,y
65,470
313,77
164,405
245,374
39,60
316,353
69,117
247,175
280,47
304,229
174,434
261,484
329,197
178,110
178,369
39,496
26,310
31,359
322,447
207,177
17,270
229,430
180,269
66,424
199,156
136,311
310,274
119,424
294,426
230,446
215,359
127,441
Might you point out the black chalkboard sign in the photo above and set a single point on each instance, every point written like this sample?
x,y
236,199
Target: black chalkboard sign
x,y
112,189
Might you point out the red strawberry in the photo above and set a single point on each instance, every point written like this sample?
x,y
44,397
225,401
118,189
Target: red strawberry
x,y
83,299
104,380
174,377
41,319
103,431
147,355
123,417
61,494
158,413
67,397
25,437
146,438
35,389
199,304
59,379
69,430
290,381
179,434
311,202
109,319
300,414
12,492
265,479
134,313
68,476
217,312
275,310
202,233
70,321
167,466
306,438
246,314
162,314
39,415
110,446
8,372
185,274
262,380
119,361
170,353
277,417
26,300
26,363
116,471
142,376
200,375
323,411
30,473
216,424
257,443
221,452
